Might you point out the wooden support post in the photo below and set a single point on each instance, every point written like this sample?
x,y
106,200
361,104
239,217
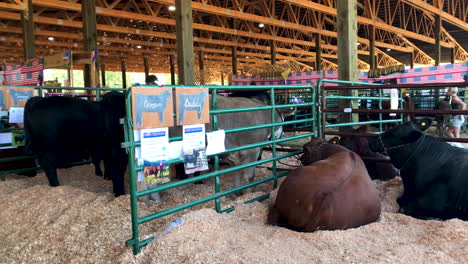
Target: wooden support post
x,y
347,51
28,31
412,59
123,66
318,53
88,12
437,32
372,61
171,62
222,78
452,55
146,65
103,75
273,52
184,35
234,60
201,67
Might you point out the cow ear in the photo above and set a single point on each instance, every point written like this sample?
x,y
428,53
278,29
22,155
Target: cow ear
x,y
362,129
423,124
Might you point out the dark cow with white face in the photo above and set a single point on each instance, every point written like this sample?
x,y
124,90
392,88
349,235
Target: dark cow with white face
x,y
434,173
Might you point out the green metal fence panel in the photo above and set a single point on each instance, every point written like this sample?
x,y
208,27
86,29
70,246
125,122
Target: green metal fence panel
x,y
363,102
276,103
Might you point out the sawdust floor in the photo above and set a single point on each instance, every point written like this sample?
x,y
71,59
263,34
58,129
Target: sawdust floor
x,y
81,222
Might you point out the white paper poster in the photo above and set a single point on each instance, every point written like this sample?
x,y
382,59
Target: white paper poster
x,y
154,149
215,142
194,148
16,115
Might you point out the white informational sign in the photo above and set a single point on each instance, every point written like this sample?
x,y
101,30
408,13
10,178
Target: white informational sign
x,y
194,148
6,138
154,144
154,149
176,150
215,142
393,100
16,115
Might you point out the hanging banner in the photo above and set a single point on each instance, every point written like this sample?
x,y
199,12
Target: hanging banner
x,y
24,73
154,144
194,148
152,107
192,106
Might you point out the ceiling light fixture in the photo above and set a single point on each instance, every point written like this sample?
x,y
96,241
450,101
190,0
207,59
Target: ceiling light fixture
x,y
389,49
171,8
51,38
139,47
261,25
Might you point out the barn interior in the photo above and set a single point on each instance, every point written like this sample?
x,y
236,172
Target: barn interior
x,y
219,44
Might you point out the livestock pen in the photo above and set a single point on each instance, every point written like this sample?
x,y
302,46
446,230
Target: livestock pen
x,y
131,144
15,157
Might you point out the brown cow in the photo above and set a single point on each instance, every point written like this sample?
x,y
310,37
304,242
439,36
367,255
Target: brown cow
x,y
332,191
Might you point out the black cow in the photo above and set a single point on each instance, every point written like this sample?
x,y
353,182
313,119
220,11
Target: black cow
x,y
434,173
62,130
360,146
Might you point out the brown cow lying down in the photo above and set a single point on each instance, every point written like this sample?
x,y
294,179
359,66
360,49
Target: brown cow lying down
x,y
332,191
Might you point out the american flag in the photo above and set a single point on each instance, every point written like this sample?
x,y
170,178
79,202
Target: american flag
x,y
23,74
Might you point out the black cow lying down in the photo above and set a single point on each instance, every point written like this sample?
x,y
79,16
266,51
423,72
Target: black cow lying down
x,y
61,130
434,173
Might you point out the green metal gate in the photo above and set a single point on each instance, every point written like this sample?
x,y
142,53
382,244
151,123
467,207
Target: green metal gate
x,y
130,144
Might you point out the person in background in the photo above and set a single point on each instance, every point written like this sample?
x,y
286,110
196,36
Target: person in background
x,y
457,121
152,80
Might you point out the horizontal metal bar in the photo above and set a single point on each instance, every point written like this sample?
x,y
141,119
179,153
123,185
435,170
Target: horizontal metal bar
x,y
399,111
16,158
242,129
336,133
364,123
201,201
245,87
397,86
66,88
357,97
211,175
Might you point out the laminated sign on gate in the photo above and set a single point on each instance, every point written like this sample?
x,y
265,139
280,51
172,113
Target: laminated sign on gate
x,y
154,149
192,106
152,107
193,139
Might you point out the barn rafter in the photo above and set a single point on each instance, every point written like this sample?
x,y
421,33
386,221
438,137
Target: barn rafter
x,y
401,27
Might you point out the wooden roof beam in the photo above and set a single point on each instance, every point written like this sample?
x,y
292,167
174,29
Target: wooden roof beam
x,y
211,9
125,30
437,11
14,7
366,21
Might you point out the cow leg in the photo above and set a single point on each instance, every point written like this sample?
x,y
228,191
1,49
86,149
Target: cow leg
x,y
96,157
48,164
248,174
430,204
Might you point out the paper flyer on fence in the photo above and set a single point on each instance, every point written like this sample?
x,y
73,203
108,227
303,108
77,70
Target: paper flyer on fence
x,y
194,148
215,142
154,148
16,115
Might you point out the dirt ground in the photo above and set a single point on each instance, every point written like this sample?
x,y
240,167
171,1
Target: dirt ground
x,y
81,222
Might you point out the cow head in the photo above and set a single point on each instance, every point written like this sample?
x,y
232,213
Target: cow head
x,y
400,135
312,151
357,144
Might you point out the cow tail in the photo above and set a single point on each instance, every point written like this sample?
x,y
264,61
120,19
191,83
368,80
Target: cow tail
x,y
28,109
